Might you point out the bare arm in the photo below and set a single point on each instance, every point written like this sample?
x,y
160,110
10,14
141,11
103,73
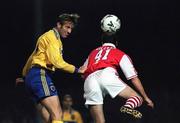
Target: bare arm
x,y
138,85
83,68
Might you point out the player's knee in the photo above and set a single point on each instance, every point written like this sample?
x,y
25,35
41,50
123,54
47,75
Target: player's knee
x,y
134,94
139,99
56,114
101,121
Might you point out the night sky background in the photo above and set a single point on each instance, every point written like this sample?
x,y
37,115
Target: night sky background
x,y
149,35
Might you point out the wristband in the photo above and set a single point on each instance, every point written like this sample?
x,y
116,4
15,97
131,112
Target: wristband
x,y
76,70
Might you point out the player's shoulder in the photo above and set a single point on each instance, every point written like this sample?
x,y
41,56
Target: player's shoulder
x,y
76,112
96,49
118,51
48,36
49,33
45,34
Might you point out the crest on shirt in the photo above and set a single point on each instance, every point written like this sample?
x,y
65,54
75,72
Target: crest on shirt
x,y
52,88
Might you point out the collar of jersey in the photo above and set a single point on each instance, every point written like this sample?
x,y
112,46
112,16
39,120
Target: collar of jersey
x,y
109,44
56,33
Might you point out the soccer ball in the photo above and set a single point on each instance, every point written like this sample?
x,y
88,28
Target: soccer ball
x,y
110,24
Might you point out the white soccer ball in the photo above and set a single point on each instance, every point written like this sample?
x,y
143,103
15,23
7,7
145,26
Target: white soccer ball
x,y
110,23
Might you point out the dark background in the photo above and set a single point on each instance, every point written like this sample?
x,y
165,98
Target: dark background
x,y
149,35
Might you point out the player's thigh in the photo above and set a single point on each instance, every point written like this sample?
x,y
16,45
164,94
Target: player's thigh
x,y
52,104
39,84
92,91
97,113
128,92
45,116
111,82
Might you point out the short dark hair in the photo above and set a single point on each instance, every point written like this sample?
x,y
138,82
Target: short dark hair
x,y
68,17
67,96
109,38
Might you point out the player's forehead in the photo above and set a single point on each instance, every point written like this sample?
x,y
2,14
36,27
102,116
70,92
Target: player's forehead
x,y
68,99
68,24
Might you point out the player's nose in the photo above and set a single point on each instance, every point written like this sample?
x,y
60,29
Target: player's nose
x,y
69,30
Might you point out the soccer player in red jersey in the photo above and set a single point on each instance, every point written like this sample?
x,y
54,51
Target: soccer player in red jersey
x,y
102,78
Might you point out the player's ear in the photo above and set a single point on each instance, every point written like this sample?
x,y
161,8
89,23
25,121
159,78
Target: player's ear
x,y
59,25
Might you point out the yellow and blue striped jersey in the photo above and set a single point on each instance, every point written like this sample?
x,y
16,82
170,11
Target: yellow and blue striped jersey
x,y
48,54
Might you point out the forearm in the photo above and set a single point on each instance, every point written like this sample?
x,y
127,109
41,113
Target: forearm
x,y
55,58
137,83
83,68
139,87
65,67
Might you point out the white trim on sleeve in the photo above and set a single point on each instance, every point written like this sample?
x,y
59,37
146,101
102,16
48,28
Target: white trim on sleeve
x,y
127,67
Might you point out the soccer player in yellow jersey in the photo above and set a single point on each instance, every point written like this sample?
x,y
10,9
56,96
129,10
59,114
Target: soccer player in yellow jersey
x,y
45,59
70,115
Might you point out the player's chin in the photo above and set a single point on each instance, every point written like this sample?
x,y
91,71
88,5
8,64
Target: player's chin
x,y
65,36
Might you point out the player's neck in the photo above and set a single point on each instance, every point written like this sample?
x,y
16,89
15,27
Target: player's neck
x,y
68,109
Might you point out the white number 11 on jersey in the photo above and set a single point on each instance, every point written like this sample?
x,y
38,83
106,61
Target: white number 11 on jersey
x,y
99,55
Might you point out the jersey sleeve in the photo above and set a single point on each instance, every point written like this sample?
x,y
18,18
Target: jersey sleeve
x,y
27,66
127,67
55,57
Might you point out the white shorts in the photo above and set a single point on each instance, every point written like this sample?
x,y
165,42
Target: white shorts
x,y
100,83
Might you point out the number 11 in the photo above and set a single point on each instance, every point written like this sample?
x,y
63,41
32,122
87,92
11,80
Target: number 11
x,y
99,55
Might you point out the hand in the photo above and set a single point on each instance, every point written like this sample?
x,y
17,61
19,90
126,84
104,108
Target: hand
x,y
19,81
149,102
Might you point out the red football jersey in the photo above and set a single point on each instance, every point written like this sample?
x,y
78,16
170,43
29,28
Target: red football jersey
x,y
109,56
